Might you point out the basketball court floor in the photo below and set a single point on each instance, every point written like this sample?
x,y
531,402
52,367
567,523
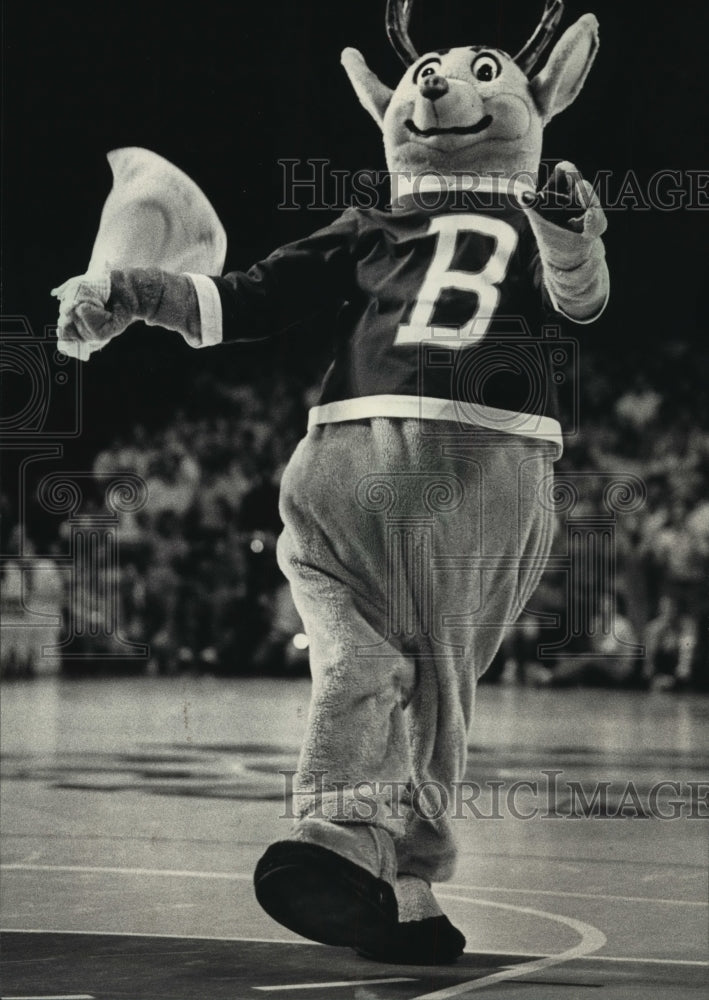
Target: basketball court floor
x,y
134,811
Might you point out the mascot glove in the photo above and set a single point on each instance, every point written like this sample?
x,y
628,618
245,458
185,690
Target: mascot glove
x,y
90,311
567,218
94,309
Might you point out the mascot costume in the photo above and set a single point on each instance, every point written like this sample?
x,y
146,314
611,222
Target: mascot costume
x,y
414,523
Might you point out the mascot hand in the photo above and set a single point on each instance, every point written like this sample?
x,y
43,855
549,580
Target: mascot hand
x,y
93,309
570,201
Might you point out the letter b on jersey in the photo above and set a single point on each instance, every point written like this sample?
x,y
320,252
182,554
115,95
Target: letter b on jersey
x,y
483,286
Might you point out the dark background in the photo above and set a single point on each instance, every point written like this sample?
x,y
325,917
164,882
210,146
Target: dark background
x,y
225,90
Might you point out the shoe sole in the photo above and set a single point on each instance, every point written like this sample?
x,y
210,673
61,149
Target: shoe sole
x,y
433,941
324,897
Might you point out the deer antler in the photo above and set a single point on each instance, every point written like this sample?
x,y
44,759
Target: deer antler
x,y
397,21
398,16
542,38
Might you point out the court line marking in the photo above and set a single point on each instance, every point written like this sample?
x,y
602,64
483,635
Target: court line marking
x,y
63,996
592,939
239,877
164,872
621,959
648,961
341,982
152,839
169,937
457,887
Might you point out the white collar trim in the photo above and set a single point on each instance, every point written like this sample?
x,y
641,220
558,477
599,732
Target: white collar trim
x,y
403,184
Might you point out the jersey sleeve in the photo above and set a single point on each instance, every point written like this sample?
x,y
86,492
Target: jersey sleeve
x,y
294,282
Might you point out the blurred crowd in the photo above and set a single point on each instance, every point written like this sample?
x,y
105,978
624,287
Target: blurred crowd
x,y
644,604
197,586
196,579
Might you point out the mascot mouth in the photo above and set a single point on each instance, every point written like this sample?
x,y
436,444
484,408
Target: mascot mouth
x,y
427,133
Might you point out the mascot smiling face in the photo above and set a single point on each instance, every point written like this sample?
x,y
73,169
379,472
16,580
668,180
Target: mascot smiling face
x,y
474,109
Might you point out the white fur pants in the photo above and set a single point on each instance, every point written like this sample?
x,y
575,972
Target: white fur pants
x,y
410,546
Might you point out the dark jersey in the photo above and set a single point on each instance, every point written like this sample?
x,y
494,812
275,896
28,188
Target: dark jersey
x,y
437,312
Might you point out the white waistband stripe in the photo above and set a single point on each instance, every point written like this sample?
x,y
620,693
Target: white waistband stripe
x,y
429,408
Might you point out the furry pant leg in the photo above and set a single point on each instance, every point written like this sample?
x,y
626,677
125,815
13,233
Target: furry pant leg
x,y
410,548
486,566
357,735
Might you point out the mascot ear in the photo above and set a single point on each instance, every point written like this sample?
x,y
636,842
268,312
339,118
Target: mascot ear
x,y
372,93
560,82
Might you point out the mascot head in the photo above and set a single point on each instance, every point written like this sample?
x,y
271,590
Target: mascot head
x,y
474,109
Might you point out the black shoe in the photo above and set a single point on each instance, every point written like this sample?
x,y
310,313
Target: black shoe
x,y
433,941
324,897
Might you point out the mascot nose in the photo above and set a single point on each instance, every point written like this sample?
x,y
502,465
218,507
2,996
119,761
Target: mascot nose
x,y
434,86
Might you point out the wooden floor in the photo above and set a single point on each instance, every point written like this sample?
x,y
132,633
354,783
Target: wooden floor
x,y
134,811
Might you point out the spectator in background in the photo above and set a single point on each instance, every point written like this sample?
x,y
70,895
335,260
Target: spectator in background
x,y
132,455
520,652
31,601
698,527
167,562
16,645
640,406
259,508
216,613
670,646
172,483
47,597
611,660
681,551
225,483
132,601
283,648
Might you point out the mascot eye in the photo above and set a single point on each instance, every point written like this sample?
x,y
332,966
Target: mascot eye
x,y
486,68
429,68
